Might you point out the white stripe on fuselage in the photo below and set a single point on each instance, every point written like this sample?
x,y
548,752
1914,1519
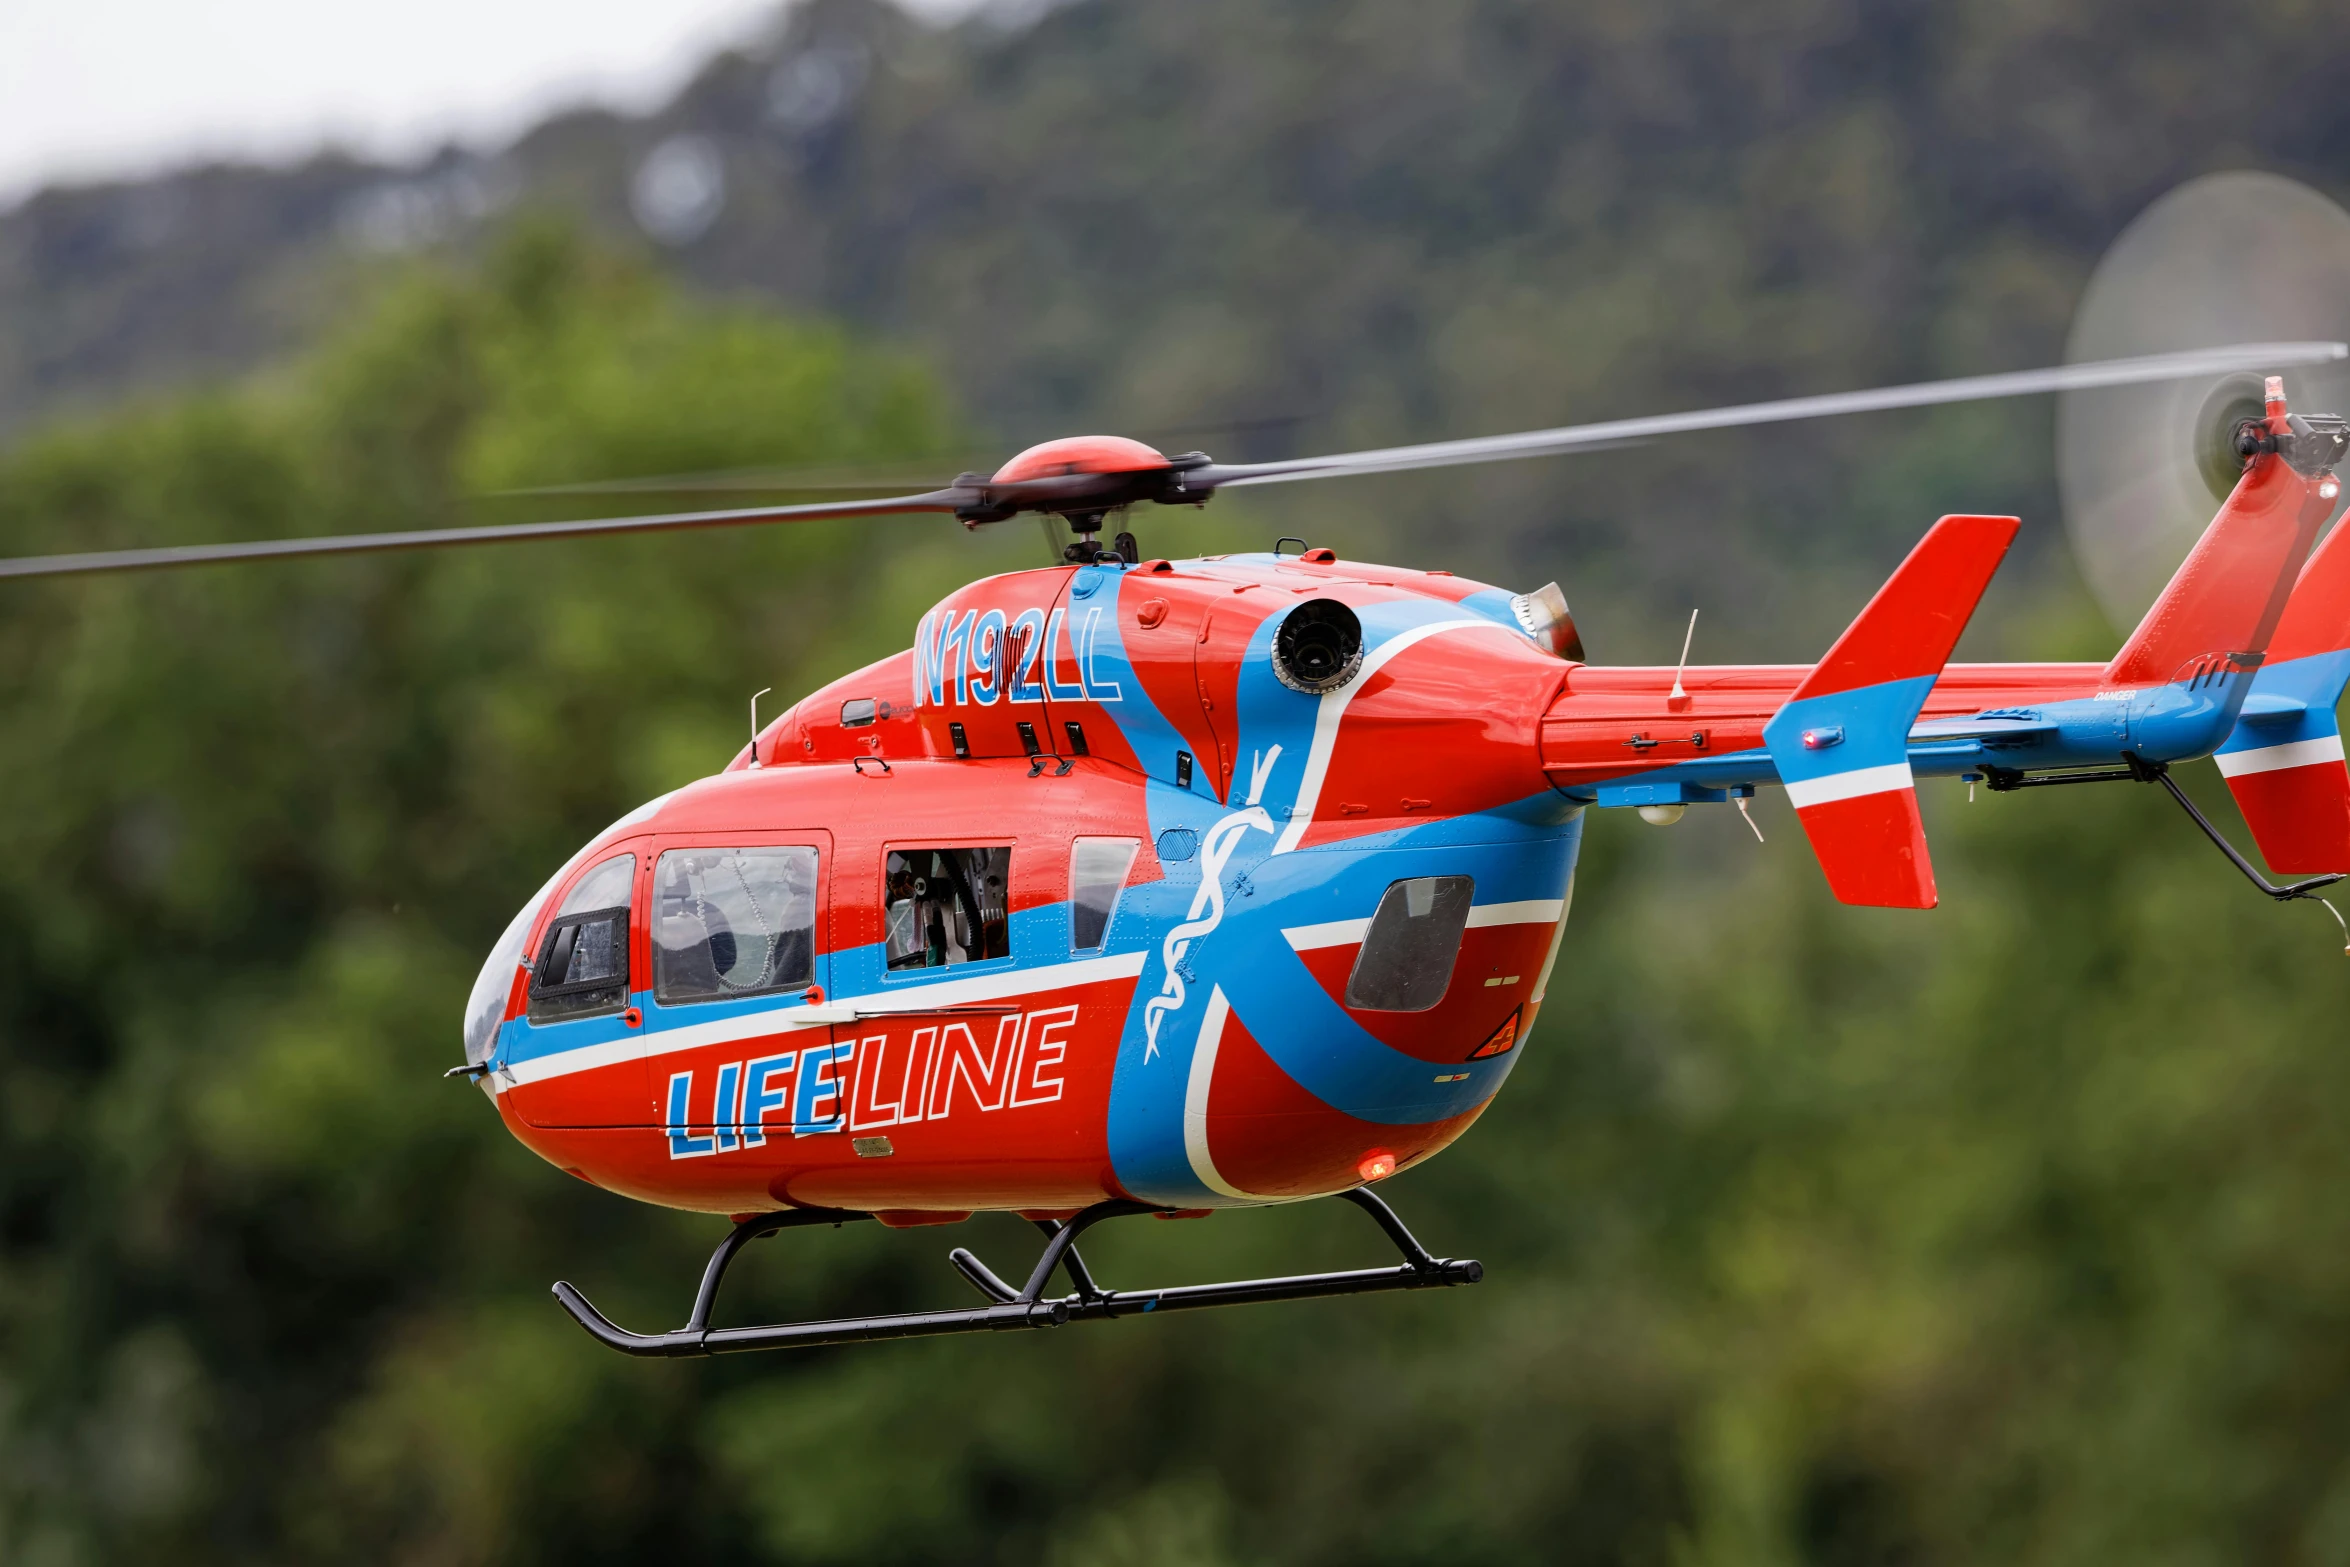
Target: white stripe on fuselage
x,y
1338,933
1350,933
1195,1097
2275,758
1526,911
914,1001
1850,785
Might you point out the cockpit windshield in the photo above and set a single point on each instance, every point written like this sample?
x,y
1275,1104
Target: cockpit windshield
x,y
485,1008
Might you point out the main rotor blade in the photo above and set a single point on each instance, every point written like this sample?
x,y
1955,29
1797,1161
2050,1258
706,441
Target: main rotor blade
x,y
1089,493
443,538
837,479
1922,394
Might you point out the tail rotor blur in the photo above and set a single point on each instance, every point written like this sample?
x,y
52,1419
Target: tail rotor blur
x,y
2224,259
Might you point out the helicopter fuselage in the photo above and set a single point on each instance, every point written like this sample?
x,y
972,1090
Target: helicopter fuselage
x,y
1106,889
1205,1036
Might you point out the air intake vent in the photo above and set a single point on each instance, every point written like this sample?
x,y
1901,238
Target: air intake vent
x,y
1319,647
1543,615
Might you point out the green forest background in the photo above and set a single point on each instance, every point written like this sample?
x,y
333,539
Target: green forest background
x,y
2010,1233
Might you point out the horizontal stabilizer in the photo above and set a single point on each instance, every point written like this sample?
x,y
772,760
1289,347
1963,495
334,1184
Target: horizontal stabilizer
x,y
2283,762
1990,728
1841,743
2263,709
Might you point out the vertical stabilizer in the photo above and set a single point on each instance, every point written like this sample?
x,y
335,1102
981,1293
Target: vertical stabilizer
x,y
2283,762
2227,597
1841,743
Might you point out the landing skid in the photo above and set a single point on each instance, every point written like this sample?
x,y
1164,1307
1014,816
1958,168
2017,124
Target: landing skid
x,y
1008,1308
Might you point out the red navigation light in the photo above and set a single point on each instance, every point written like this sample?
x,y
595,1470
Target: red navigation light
x,y
1377,1165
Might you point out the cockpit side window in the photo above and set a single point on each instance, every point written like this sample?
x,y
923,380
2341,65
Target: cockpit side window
x,y
733,922
947,906
582,967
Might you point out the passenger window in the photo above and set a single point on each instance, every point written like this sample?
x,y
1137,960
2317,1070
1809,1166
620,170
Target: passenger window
x,y
1407,957
583,958
733,922
1097,874
946,906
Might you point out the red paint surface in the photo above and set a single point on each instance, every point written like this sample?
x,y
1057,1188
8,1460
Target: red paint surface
x,y
1909,627
1268,1136
1165,656
2230,593
1226,628
1873,849
2299,815
1451,725
2317,616
961,1151
1587,729
1081,454
1471,1009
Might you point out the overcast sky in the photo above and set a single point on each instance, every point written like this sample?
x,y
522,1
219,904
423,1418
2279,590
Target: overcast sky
x,y
98,88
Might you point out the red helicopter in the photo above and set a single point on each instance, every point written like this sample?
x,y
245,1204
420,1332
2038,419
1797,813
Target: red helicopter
x,y
1153,886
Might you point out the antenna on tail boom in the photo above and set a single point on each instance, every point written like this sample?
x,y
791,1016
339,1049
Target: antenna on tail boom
x,y
1678,697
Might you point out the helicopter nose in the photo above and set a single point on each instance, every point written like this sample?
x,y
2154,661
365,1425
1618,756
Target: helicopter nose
x,y
485,1006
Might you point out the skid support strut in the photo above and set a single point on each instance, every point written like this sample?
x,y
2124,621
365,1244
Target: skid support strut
x,y
2136,769
1008,1308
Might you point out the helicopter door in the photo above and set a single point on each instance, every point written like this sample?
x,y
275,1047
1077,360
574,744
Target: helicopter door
x,y
580,984
942,908
1166,621
1218,651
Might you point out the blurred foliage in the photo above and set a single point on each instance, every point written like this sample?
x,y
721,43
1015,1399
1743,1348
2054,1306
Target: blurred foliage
x,y
1265,227
2007,1233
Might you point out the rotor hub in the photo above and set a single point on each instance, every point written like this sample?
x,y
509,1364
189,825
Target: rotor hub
x,y
1080,478
1073,454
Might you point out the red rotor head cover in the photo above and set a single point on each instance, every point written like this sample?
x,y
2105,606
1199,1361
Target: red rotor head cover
x,y
1081,454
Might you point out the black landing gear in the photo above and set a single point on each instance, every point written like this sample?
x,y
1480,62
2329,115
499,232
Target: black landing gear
x,y
2136,769
1008,1308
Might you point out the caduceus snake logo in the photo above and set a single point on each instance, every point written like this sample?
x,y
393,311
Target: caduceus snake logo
x,y
1207,905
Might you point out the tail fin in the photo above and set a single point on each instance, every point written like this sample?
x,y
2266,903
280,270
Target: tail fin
x,y
2228,595
1841,743
2283,762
